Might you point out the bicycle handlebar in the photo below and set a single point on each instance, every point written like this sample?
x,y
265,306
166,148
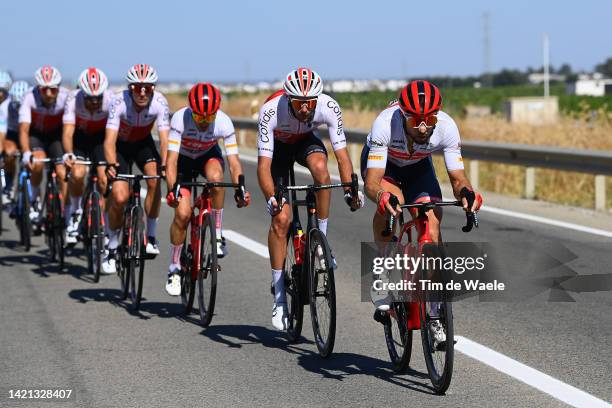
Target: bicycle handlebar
x,y
128,178
471,217
280,189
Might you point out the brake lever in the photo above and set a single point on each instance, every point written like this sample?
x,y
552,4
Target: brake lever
x,y
354,189
391,222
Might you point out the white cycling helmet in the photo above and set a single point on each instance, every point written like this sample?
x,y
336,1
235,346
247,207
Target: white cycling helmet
x,y
5,80
48,76
93,82
142,74
303,83
18,91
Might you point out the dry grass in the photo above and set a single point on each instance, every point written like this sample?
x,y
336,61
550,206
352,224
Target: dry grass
x,y
582,131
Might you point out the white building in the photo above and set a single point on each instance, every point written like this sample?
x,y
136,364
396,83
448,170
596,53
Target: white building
x,y
595,85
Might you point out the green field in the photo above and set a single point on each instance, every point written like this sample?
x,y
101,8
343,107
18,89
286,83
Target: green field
x,y
455,99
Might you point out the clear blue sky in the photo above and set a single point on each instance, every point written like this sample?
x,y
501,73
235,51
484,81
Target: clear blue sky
x,y
232,40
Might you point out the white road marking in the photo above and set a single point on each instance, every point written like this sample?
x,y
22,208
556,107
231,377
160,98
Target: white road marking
x,y
486,208
247,243
530,376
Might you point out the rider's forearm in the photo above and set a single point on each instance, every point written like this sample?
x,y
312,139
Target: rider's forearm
x,y
24,136
264,176
67,135
110,140
235,167
458,180
163,146
171,164
2,137
345,166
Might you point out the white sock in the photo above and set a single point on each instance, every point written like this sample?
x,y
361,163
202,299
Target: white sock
x,y
279,286
151,226
175,254
75,202
323,225
113,242
219,221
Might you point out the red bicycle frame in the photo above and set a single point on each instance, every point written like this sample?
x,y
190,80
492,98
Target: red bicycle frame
x,y
203,203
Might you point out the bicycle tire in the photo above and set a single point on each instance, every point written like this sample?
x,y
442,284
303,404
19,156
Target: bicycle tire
x,y
292,275
136,256
2,201
123,271
25,227
441,353
187,281
207,275
398,337
49,229
322,286
58,229
94,235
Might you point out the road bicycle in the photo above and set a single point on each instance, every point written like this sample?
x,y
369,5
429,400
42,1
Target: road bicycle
x,y
91,227
23,203
309,266
132,248
199,255
426,310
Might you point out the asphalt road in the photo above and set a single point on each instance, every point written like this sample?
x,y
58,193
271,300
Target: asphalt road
x,y
58,329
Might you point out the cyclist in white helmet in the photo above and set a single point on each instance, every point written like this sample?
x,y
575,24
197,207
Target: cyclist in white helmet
x,y
9,133
287,133
128,139
5,84
40,129
84,120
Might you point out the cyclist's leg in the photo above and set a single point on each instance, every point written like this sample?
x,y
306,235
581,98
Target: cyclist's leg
x,y
282,161
38,152
147,158
119,193
11,145
213,167
311,153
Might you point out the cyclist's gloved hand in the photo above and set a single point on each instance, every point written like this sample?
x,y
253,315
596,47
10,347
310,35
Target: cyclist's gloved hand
x,y
273,207
354,203
26,157
472,201
68,159
111,170
240,202
174,196
383,203
162,171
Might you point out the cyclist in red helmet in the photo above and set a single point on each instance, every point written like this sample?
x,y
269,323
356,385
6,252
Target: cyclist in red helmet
x,y
396,160
192,145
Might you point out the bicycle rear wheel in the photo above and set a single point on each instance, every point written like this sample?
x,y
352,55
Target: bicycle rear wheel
x,y
58,229
439,355
292,275
2,178
322,293
136,256
207,275
187,281
398,337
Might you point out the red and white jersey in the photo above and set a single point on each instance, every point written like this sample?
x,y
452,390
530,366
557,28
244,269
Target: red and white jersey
x,y
86,122
388,141
276,122
133,125
188,140
42,119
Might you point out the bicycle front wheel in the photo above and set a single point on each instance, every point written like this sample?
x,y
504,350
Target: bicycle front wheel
x,y
437,335
187,280
58,230
207,275
23,217
94,235
322,293
292,275
2,199
136,256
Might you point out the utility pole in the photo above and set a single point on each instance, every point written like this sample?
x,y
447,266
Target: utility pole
x,y
486,50
545,47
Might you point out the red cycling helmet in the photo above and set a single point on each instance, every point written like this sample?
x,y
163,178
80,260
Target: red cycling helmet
x,y
420,98
204,99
